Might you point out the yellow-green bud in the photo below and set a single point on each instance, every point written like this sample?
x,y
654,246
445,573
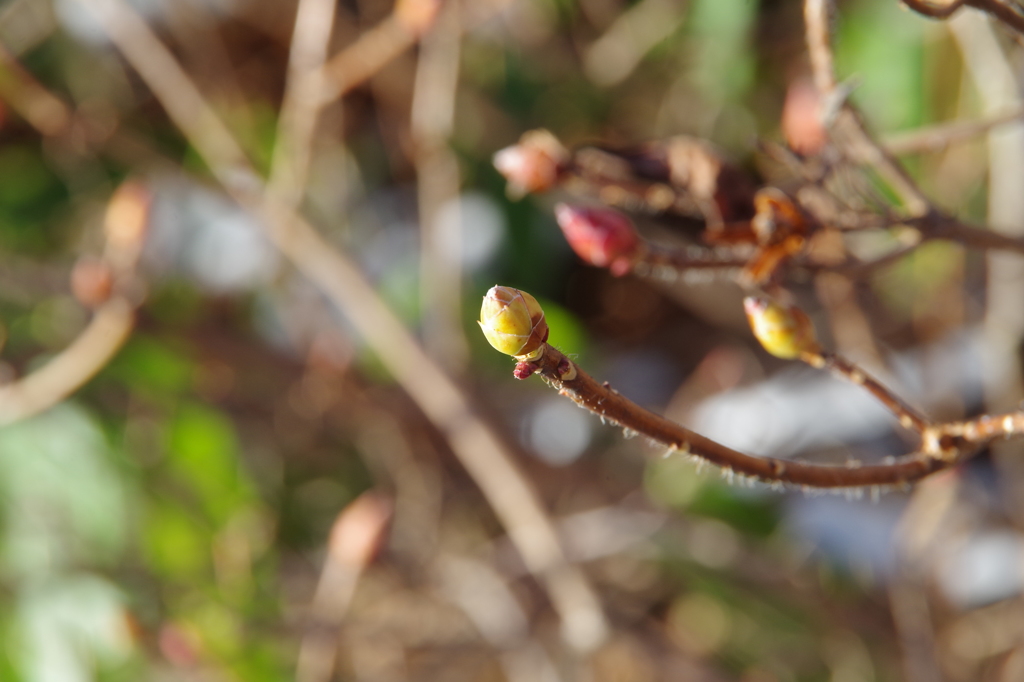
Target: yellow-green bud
x,y
785,332
513,322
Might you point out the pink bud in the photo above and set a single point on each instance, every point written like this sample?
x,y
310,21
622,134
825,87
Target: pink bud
x,y
532,165
801,118
360,530
417,15
600,236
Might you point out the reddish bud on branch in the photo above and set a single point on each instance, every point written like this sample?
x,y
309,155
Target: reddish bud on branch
x,y
600,236
532,165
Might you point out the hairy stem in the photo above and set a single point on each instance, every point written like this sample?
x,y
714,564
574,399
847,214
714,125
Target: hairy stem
x,y
572,382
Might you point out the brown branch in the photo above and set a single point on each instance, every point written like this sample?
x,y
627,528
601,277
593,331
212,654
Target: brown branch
x,y
371,52
355,538
937,225
932,10
659,259
289,168
908,417
438,183
42,110
71,368
480,450
860,268
572,382
938,137
847,126
108,286
1004,11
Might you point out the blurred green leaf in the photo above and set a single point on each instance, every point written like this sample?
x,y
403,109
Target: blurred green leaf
x,y
203,450
153,368
62,499
176,545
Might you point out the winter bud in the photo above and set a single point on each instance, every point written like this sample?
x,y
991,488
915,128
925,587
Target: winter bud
x,y
125,223
92,282
532,165
784,331
600,236
801,118
417,16
513,322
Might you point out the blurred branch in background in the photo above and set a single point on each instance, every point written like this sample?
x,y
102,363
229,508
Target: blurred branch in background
x,y
486,458
1006,12
110,287
438,183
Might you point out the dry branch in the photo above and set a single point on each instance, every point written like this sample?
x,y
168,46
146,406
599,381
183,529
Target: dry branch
x,y
601,399
1003,10
486,457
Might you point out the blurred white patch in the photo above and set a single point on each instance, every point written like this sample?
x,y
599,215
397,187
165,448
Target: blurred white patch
x,y
856,535
81,22
802,409
987,568
69,626
607,531
558,431
61,501
229,253
481,227
796,410
205,235
713,543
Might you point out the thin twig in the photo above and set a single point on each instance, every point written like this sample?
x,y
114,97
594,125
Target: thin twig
x,y
860,268
908,417
355,538
437,188
302,103
1006,12
935,11
108,285
995,77
71,368
371,52
672,262
942,445
940,226
847,126
938,137
38,106
488,460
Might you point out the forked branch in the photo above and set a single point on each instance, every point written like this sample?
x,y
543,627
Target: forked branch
x,y
601,399
514,324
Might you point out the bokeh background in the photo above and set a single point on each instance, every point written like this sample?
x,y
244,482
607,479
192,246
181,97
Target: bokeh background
x,y
243,492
